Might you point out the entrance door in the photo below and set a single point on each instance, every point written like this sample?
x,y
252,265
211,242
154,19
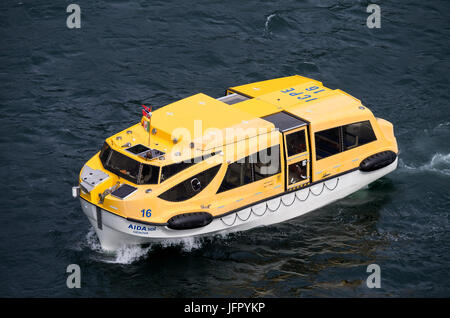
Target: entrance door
x,y
297,157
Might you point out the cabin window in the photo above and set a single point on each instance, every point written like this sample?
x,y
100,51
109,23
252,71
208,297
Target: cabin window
x,y
172,169
191,186
104,153
128,168
257,166
335,140
328,142
267,163
149,174
357,134
238,174
296,143
123,166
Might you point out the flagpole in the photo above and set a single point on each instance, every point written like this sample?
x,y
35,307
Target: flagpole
x,y
149,129
147,112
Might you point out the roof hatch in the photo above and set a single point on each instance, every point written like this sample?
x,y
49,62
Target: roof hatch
x,y
284,121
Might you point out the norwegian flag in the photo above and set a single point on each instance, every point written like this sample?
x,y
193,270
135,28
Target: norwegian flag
x,y
146,111
146,117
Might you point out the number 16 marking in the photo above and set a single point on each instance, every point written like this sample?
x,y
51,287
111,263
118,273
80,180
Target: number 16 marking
x,y
146,213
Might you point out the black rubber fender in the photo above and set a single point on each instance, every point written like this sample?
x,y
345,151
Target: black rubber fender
x,y
188,221
377,161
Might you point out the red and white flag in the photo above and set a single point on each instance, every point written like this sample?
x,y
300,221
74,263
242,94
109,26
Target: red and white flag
x,y
146,111
146,116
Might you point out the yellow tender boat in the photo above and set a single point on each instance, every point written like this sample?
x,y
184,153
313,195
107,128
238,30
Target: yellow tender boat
x,y
264,153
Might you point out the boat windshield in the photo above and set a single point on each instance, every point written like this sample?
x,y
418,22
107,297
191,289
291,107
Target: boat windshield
x,y
127,167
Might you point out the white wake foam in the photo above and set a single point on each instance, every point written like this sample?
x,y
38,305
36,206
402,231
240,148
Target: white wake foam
x,y
187,244
443,126
129,254
439,163
92,241
133,253
124,255
267,24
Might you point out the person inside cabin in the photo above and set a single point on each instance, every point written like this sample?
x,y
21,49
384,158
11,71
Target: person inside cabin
x,y
297,173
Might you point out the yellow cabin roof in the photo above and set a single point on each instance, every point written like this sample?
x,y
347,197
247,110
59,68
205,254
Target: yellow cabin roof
x,y
264,87
324,106
200,118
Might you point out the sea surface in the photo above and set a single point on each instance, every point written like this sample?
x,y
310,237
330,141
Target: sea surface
x,y
63,91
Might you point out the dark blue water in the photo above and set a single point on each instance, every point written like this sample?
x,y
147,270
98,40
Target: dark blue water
x,y
64,91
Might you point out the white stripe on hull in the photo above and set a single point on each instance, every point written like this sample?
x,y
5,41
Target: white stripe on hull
x,y
117,231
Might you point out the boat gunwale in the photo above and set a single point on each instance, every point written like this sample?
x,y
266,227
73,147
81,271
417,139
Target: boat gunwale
x,y
240,208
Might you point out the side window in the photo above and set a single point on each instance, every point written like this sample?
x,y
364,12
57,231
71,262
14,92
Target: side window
x,y
296,143
238,174
257,166
190,187
267,163
332,141
170,170
149,174
327,142
104,153
357,134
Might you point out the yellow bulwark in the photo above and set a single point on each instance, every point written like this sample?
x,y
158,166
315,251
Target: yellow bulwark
x,y
223,133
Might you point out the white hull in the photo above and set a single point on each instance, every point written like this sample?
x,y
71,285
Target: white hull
x,y
116,231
